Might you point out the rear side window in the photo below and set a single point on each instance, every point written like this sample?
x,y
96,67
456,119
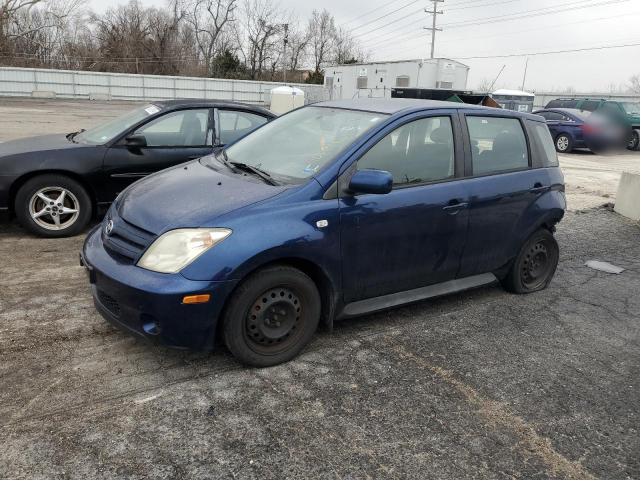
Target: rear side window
x,y
545,141
497,145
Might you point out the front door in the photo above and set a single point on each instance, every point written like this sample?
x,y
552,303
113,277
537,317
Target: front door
x,y
413,236
173,138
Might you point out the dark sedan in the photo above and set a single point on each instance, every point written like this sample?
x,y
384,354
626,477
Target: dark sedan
x,y
572,128
55,184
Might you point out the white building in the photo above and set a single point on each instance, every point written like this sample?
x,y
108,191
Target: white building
x,y
378,78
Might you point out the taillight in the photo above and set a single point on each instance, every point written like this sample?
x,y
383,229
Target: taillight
x,y
588,129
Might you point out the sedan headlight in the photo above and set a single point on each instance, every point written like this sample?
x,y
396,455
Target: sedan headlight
x,y
178,248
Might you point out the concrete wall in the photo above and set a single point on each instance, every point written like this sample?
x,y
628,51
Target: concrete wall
x,y
36,82
628,196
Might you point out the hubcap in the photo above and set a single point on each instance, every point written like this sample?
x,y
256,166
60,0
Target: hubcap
x,y
273,319
54,208
635,140
563,143
536,265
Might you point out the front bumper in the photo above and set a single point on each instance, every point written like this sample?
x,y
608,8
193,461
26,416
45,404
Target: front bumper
x,y
149,304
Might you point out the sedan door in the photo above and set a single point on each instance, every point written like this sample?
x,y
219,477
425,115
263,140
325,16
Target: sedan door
x,y
231,124
167,140
413,236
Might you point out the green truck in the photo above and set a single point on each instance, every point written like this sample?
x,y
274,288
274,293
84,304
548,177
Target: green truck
x,y
629,110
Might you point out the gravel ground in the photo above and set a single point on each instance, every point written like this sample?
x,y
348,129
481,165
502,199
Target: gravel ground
x,y
482,384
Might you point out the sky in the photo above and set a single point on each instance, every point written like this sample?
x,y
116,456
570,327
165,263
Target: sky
x,y
393,30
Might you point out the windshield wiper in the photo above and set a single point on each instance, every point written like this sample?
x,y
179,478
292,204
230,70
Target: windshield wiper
x,y
255,170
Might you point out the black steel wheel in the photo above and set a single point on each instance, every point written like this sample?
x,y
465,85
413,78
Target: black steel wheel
x,y
535,265
271,316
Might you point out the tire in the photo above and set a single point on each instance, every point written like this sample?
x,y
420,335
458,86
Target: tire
x,y
62,219
271,316
634,143
535,265
564,143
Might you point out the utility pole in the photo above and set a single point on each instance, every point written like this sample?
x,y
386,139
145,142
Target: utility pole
x,y
284,53
524,78
434,13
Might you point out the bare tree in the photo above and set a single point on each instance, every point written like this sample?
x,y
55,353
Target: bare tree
x,y
210,19
296,47
322,33
484,85
263,29
634,84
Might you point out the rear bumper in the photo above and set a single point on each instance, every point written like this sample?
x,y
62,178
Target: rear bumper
x,y
149,304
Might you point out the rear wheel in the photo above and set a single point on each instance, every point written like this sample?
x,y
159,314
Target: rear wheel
x,y
564,144
53,206
535,265
271,316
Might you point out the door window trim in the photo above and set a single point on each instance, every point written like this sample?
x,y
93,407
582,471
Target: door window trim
x,y
121,141
216,115
467,138
349,166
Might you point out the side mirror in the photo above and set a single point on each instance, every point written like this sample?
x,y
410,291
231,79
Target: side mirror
x,y
135,141
371,181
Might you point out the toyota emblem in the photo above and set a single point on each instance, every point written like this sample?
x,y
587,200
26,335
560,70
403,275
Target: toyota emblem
x,y
109,227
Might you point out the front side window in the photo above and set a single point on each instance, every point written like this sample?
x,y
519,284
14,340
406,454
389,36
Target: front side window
x,y
233,124
417,152
111,129
186,128
297,145
498,144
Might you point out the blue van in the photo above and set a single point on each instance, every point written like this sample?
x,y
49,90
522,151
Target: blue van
x,y
331,211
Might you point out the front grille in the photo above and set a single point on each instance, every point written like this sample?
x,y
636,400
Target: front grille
x,y
109,303
125,241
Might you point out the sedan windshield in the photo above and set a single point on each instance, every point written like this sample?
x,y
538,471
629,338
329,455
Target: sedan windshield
x,y
297,145
107,131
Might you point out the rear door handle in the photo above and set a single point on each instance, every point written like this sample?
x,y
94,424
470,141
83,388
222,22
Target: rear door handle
x,y
539,188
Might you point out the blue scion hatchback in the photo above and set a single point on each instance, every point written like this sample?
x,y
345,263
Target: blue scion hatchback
x,y
331,211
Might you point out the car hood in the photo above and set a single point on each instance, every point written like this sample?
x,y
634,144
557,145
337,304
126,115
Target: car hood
x,y
189,195
37,144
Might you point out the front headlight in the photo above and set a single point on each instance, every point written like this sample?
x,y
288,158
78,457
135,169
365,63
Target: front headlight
x,y
178,248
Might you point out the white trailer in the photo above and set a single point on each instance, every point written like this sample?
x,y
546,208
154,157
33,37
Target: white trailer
x,y
375,80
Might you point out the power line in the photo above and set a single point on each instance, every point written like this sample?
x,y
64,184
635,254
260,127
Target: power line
x,y
554,52
387,24
572,6
547,27
385,15
520,15
385,5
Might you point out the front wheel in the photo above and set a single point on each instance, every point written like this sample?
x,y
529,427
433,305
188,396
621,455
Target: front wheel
x,y
271,316
564,143
535,265
53,206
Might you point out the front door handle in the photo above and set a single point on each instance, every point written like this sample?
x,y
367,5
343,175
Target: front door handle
x,y
454,207
194,157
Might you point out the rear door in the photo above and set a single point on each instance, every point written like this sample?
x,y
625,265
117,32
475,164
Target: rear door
x,y
172,138
501,186
231,125
414,235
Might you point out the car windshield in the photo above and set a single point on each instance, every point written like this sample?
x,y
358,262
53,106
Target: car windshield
x,y
297,145
107,131
632,108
